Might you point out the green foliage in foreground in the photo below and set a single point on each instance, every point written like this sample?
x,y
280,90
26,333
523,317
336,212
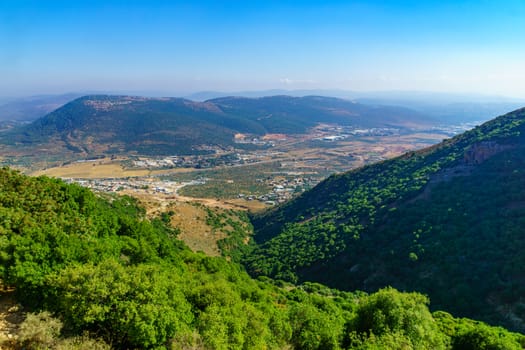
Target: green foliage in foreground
x,y
104,270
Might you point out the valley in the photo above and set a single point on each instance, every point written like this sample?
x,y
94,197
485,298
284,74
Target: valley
x,y
289,166
281,167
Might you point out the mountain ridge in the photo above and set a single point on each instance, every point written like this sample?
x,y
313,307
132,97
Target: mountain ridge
x,y
97,124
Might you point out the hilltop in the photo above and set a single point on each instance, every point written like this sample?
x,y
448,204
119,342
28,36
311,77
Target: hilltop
x,y
115,125
447,221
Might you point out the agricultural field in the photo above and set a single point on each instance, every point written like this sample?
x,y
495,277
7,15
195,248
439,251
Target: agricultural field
x,y
246,180
199,190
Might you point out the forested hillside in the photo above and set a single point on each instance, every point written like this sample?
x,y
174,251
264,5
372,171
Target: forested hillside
x,y
447,221
291,115
110,125
105,271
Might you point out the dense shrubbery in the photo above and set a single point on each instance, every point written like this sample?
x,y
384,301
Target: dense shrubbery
x,y
105,272
237,228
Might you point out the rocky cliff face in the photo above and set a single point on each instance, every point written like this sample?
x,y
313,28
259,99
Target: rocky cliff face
x,y
479,152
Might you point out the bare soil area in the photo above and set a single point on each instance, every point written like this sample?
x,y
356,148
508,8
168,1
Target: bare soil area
x,y
11,316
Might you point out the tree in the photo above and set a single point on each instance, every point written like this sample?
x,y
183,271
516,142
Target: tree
x,y
390,311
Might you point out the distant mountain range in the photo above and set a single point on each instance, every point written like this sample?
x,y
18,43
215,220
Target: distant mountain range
x,y
448,108
420,96
28,109
161,126
447,221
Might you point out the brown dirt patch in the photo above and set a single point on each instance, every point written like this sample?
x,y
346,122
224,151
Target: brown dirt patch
x,y
191,220
11,316
188,217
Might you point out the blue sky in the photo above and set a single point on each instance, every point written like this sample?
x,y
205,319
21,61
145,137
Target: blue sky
x,y
176,47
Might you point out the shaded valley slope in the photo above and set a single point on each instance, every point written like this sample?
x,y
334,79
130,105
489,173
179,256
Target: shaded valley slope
x,y
447,221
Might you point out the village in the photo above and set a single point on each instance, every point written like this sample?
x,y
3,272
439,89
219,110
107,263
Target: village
x,y
271,175
280,188
216,159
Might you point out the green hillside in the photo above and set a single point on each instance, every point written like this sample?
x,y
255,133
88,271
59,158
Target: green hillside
x,y
111,125
94,271
447,221
291,115
121,124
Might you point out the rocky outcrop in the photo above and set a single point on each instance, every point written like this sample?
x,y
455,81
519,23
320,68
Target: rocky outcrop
x,y
481,151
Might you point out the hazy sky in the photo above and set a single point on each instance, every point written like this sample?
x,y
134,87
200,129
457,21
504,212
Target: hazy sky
x,y
175,46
